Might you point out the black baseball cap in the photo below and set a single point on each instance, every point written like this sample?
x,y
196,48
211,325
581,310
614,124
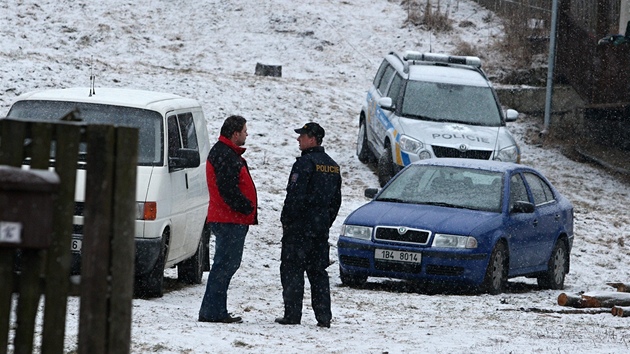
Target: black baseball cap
x,y
313,129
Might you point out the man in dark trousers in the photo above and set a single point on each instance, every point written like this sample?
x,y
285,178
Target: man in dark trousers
x,y
310,208
232,209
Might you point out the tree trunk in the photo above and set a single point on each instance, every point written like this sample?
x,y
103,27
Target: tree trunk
x,y
622,287
571,300
621,311
595,299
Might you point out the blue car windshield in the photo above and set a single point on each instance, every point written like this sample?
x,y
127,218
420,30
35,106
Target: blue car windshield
x,y
454,187
451,103
149,123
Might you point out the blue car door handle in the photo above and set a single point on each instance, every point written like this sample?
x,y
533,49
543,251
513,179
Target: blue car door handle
x,y
535,222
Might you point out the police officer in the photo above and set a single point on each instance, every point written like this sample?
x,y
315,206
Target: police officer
x,y
310,208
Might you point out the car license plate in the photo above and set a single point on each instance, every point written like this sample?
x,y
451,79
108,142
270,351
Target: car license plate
x,y
76,245
397,256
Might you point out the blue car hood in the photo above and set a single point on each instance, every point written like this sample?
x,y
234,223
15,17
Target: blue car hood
x,y
427,217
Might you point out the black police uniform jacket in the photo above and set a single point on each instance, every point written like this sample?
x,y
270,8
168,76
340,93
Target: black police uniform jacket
x,y
313,196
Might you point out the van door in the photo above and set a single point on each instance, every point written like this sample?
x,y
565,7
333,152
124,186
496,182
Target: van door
x,y
180,136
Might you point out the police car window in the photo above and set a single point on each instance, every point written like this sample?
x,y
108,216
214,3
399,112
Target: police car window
x,y
387,77
540,190
518,192
380,72
394,88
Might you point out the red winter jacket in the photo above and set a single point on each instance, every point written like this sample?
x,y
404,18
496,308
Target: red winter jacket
x,y
233,197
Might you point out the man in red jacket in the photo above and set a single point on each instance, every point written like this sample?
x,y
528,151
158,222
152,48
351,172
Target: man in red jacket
x,y
232,209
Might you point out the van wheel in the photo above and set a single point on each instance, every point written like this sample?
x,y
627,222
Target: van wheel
x,y
190,271
385,169
152,284
363,150
553,278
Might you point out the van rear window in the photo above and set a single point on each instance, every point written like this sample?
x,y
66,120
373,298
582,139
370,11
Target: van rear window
x,y
149,123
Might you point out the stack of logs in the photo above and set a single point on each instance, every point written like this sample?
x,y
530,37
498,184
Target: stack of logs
x,y
618,302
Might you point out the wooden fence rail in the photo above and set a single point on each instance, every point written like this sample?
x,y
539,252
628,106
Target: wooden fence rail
x,y
106,286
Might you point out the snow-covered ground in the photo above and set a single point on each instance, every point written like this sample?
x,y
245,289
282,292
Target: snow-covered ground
x,y
329,51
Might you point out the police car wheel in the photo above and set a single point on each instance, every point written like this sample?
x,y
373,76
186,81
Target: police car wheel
x,y
385,168
363,151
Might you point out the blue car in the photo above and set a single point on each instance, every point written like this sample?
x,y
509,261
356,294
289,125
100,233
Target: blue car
x,y
460,223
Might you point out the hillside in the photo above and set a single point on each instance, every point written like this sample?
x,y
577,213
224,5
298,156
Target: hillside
x,y
329,52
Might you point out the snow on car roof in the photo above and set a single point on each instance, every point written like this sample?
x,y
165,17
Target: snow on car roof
x,y
114,96
447,74
489,165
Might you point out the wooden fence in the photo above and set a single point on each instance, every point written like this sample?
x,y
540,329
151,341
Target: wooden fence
x,y
106,282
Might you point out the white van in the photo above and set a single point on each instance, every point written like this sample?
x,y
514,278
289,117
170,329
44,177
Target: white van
x,y
171,192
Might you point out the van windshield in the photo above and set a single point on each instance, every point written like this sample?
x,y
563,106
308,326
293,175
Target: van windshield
x,y
149,123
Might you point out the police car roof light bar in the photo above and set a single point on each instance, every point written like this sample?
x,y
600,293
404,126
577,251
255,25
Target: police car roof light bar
x,y
443,58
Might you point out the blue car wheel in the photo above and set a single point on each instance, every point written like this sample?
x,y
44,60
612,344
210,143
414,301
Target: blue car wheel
x,y
352,280
553,278
496,274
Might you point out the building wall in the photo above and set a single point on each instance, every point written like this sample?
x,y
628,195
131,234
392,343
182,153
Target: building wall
x,y
624,15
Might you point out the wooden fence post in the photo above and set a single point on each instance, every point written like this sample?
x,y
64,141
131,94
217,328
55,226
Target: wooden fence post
x,y
59,256
106,288
106,294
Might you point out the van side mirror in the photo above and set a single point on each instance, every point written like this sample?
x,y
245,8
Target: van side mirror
x,y
183,158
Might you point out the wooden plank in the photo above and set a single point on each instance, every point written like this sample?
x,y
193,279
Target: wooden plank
x,y
96,246
41,136
28,301
123,247
31,259
57,278
13,134
11,151
7,257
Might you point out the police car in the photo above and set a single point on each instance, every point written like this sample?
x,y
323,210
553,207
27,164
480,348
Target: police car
x,y
427,105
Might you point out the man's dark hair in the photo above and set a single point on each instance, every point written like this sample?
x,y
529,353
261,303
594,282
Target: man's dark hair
x,y
232,125
319,139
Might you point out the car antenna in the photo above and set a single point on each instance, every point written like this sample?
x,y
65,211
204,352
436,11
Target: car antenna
x,y
92,77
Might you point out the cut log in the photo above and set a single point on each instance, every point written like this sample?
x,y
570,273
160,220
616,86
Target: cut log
x,y
621,311
268,70
595,299
621,287
571,300
606,299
